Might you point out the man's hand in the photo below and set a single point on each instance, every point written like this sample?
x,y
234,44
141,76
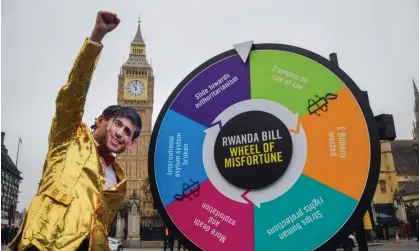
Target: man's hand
x,y
105,22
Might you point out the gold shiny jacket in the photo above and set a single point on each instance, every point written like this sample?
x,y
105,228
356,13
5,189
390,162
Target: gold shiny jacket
x,y
70,204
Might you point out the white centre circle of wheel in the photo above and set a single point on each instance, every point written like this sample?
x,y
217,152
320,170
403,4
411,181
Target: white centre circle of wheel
x,y
280,186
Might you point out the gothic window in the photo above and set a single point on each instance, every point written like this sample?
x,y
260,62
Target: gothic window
x,y
383,186
143,148
144,167
124,166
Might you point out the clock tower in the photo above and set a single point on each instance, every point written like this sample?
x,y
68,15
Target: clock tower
x,y
136,89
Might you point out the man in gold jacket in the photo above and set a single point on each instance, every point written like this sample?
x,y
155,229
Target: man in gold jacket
x,y
82,186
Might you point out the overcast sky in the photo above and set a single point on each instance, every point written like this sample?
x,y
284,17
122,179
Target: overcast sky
x,y
377,44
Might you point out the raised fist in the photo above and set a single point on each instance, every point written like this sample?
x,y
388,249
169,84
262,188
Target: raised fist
x,y
105,22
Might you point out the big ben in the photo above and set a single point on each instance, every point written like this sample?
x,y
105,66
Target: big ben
x,y
136,89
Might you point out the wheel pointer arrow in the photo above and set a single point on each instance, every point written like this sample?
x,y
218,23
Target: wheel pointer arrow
x,y
243,49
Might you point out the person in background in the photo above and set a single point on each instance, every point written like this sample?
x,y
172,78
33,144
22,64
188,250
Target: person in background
x,y
385,227
408,230
417,230
4,235
179,245
166,239
379,232
171,241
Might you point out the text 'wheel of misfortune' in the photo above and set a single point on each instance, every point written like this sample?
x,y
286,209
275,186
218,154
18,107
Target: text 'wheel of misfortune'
x,y
277,152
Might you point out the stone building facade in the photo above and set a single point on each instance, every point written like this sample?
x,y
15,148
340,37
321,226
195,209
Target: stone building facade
x,y
10,181
397,192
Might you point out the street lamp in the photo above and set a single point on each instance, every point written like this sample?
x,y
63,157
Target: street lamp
x,y
416,148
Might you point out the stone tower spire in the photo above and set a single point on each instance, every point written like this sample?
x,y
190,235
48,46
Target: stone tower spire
x,y
137,56
138,39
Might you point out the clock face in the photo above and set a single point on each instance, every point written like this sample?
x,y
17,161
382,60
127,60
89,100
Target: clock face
x,y
135,88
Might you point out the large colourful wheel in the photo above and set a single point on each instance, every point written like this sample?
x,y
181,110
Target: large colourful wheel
x,y
276,152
